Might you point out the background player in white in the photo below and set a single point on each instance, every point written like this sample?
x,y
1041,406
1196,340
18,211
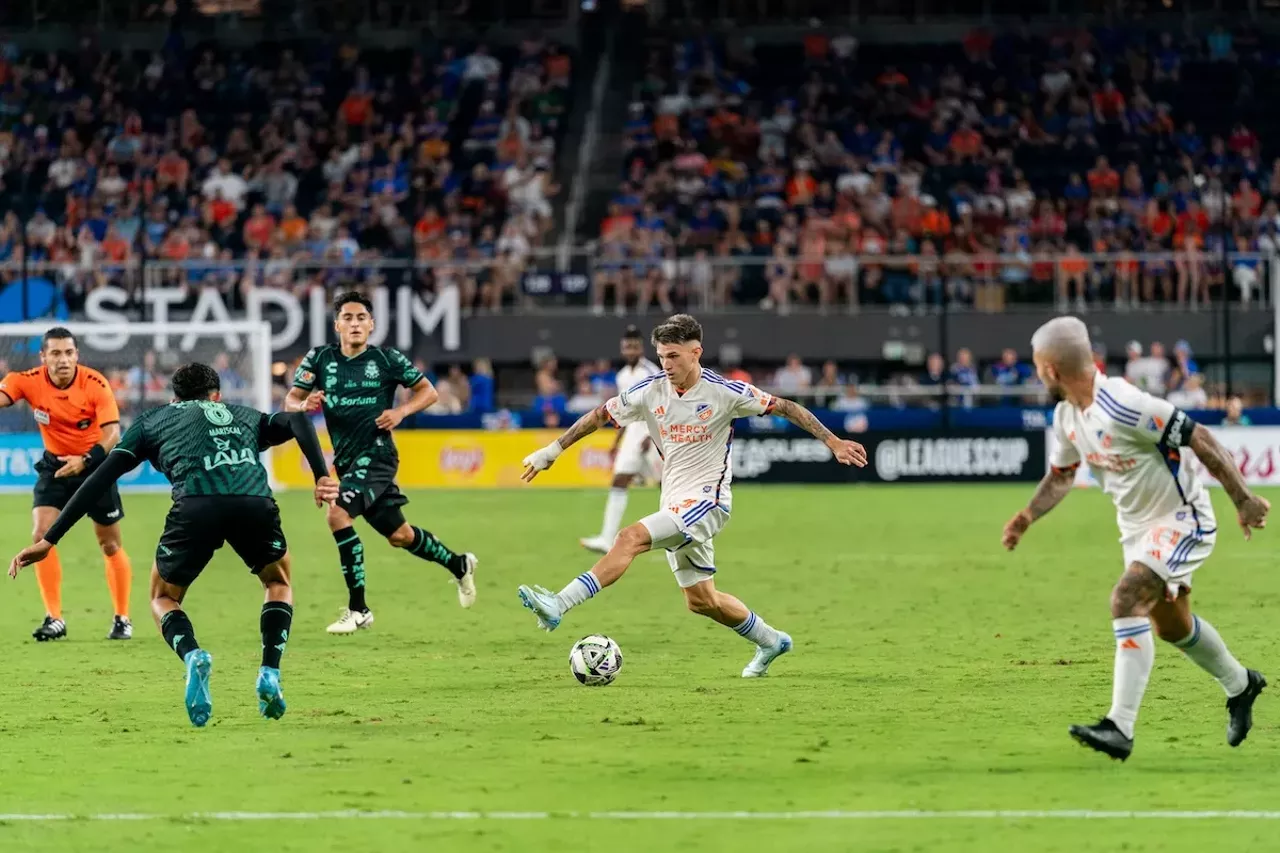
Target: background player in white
x,y
1133,443
633,448
689,411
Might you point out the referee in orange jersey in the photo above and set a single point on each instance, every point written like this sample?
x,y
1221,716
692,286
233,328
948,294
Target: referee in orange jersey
x,y
79,424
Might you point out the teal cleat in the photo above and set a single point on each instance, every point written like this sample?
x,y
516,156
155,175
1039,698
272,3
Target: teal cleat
x,y
198,701
544,605
270,696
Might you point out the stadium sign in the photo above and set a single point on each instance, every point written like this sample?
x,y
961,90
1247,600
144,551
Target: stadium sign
x,y
297,322
896,458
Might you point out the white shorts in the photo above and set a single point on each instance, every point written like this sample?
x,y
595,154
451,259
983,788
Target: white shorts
x,y
687,537
631,457
1173,547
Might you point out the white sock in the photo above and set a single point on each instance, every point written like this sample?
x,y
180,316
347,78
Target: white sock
x,y
1205,647
757,630
1135,655
584,586
614,508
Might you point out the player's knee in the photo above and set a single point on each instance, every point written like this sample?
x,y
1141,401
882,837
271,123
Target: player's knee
x,y
110,546
402,536
632,540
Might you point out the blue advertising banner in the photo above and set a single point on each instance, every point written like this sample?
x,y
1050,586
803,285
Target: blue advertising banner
x,y
20,451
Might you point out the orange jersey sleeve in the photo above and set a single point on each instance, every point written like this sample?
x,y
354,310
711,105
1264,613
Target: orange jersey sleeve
x,y
103,399
14,385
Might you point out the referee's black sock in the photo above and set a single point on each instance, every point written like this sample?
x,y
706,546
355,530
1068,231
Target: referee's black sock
x,y
178,633
351,555
428,547
277,616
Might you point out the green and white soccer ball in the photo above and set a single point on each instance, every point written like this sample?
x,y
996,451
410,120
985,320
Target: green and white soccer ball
x,y
595,661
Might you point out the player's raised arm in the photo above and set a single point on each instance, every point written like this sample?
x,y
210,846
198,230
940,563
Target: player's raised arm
x,y
846,452
115,466
1251,510
282,427
541,460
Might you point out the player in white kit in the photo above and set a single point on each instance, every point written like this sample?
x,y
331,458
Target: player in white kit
x,y
633,452
1133,443
689,412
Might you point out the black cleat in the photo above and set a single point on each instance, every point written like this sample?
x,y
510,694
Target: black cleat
x,y
121,629
1240,709
50,629
1105,737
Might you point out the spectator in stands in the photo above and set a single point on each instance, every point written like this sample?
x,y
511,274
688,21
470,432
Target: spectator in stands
x,y
550,397
829,386
1184,358
1150,373
793,378
585,398
1235,415
851,401
231,379
963,373
482,387
1190,395
935,373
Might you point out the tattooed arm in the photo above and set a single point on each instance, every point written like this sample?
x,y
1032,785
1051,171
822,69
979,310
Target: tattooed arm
x,y
1251,509
583,427
541,460
846,452
1052,489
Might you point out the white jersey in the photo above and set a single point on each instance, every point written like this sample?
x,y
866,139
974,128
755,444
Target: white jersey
x,y
693,431
1133,443
629,376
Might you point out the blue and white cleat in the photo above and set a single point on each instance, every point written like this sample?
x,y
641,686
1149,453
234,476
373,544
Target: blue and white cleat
x,y
198,701
544,605
270,696
765,655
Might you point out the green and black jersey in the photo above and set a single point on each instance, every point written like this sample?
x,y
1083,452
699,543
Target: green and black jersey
x,y
357,390
206,448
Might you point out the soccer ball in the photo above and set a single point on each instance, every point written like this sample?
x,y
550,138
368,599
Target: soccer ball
x,y
595,660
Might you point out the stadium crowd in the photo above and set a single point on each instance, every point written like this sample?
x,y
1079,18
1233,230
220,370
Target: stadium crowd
x,y
324,156
983,172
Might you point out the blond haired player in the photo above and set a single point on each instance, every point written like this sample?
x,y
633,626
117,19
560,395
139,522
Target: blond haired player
x,y
689,411
1133,443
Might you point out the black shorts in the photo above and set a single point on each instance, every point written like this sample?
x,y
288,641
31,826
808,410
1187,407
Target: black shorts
x,y
55,492
370,490
199,525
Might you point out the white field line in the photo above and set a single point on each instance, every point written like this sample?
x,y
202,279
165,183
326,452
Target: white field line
x,y
974,814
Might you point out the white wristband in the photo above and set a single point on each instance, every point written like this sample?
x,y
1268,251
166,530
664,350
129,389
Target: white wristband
x,y
553,450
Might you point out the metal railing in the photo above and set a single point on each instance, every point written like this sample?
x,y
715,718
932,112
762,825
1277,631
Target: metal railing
x,y
593,280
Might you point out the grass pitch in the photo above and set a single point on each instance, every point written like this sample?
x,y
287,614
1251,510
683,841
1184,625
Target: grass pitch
x,y
932,672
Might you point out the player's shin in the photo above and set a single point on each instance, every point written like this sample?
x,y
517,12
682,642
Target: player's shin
x,y
49,578
179,633
1135,656
277,618
351,557
427,547
1206,648
119,579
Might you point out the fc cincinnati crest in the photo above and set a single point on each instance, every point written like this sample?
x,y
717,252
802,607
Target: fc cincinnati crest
x,y
703,411
371,371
